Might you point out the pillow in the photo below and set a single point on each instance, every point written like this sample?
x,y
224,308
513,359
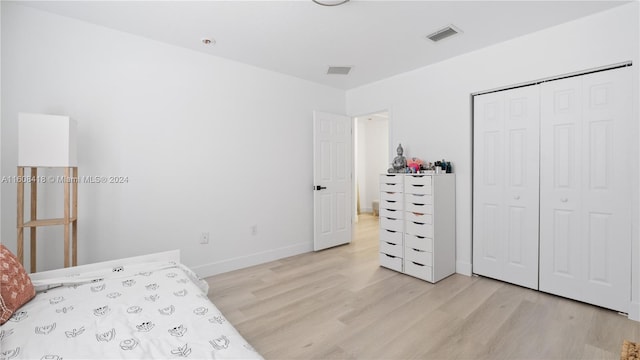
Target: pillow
x,y
16,288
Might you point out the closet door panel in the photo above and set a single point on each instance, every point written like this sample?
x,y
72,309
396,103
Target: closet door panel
x,y
560,174
488,198
560,195
607,187
585,186
506,160
522,118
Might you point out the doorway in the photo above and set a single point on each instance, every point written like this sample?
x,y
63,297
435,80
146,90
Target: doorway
x,y
371,158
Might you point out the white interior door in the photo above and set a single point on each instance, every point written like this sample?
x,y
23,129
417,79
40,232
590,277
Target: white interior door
x,y
585,205
332,168
506,185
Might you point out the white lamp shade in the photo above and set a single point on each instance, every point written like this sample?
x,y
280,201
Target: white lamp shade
x,y
46,140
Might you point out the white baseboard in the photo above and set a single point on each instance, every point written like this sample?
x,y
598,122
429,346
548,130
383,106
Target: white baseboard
x,y
634,311
463,267
251,259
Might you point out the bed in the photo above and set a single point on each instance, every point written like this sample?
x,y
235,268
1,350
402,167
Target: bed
x,y
149,307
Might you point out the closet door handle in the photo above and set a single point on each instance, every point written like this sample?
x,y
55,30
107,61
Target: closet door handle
x,y
318,187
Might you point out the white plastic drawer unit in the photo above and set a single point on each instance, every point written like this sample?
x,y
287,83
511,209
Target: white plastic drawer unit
x,y
391,236
391,262
391,213
417,224
418,184
419,229
420,271
418,242
391,249
391,224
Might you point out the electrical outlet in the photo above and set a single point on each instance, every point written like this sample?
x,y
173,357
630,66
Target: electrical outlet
x,y
204,238
254,230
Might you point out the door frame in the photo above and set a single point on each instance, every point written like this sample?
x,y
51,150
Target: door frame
x,y
355,152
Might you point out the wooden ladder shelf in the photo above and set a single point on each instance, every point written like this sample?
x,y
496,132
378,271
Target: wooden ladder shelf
x,y
69,221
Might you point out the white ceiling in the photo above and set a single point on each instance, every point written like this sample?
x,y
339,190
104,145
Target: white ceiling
x,y
378,38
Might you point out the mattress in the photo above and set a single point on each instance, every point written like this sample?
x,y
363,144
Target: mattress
x,y
156,310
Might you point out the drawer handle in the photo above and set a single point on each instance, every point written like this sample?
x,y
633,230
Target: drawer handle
x,y
391,256
417,185
392,244
391,201
391,210
418,214
415,263
418,204
419,237
391,231
390,183
417,223
418,250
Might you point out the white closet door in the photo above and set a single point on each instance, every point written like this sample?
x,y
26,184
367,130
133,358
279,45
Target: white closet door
x,y
505,185
585,207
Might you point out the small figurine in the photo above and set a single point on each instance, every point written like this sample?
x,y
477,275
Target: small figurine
x,y
399,164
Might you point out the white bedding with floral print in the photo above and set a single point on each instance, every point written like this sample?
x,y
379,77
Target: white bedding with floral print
x,y
137,311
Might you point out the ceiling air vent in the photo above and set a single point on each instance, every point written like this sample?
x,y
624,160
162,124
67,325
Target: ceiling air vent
x,y
443,33
339,70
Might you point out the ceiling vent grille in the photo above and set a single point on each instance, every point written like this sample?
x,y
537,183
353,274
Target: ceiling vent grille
x,y
339,70
443,33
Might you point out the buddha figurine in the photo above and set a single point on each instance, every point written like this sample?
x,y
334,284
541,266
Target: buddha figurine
x,y
399,162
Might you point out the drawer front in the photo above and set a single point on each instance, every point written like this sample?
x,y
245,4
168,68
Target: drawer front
x,y
391,224
391,262
392,178
419,199
391,249
419,218
391,213
391,196
418,256
420,208
391,204
391,187
423,272
417,188
394,237
418,180
419,229
417,242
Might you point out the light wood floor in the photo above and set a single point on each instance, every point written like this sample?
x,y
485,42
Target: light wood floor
x,y
340,304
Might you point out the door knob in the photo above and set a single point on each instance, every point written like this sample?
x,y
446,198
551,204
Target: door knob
x,y
318,187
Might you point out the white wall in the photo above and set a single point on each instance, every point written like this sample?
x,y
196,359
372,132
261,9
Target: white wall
x,y
207,144
431,107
